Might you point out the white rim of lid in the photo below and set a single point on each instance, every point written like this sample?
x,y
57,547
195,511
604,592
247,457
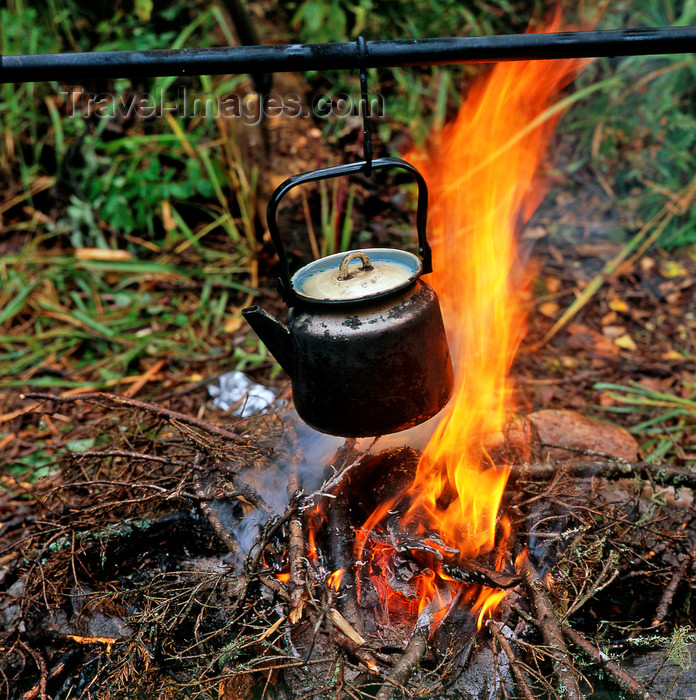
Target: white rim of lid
x,y
411,263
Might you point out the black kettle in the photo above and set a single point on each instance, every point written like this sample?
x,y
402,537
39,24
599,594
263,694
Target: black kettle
x,y
364,342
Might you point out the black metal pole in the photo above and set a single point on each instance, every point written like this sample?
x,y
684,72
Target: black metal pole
x,y
298,57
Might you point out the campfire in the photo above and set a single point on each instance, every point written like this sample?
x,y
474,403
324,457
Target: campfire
x,y
448,558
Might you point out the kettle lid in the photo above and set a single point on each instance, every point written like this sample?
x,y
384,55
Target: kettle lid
x,y
339,278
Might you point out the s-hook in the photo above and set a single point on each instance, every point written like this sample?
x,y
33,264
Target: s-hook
x,y
367,134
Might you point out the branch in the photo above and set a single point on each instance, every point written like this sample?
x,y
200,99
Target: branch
x,y
617,469
407,664
159,411
296,551
520,680
668,594
551,632
628,684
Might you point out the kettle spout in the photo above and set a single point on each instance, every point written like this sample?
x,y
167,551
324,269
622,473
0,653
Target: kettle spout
x,y
274,335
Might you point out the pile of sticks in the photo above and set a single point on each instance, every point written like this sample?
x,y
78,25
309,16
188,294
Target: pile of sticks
x,y
597,533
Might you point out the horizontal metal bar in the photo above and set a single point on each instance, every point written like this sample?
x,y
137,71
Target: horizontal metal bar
x,y
298,57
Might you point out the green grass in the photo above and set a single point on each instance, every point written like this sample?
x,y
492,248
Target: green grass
x,y
106,315
636,134
174,198
665,423
180,200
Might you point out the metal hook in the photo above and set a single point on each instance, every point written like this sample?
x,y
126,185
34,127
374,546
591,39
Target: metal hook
x,y
367,133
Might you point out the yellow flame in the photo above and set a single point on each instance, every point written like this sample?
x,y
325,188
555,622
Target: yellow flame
x,y
482,177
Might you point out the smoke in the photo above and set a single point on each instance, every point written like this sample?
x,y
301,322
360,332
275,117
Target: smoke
x,y
302,448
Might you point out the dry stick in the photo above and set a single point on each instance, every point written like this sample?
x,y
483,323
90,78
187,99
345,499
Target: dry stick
x,y
244,490
220,530
551,632
599,584
619,469
103,454
520,680
628,684
332,484
247,493
159,411
362,655
43,670
296,551
668,594
407,664
56,670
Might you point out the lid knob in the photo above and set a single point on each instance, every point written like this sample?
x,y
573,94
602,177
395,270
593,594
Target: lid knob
x,y
344,274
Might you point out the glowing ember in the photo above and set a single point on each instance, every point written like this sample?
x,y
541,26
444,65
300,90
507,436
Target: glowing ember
x,y
482,175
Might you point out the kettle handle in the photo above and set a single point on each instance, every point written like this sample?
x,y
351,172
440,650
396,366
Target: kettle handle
x,y
336,171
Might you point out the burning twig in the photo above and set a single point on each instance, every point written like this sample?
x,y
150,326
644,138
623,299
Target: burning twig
x,y
628,684
407,664
520,680
551,632
341,540
273,584
470,571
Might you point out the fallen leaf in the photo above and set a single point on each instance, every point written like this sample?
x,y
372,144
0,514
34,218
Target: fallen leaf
x,y
569,362
104,254
582,337
549,309
655,384
232,324
552,284
613,332
616,304
609,319
605,400
646,264
673,268
626,342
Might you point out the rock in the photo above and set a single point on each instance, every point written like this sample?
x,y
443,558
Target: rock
x,y
673,681
573,430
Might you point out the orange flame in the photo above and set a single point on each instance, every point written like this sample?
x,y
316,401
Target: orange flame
x,y
335,578
482,176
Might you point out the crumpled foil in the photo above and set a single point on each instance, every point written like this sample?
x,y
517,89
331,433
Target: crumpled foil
x,y
235,392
